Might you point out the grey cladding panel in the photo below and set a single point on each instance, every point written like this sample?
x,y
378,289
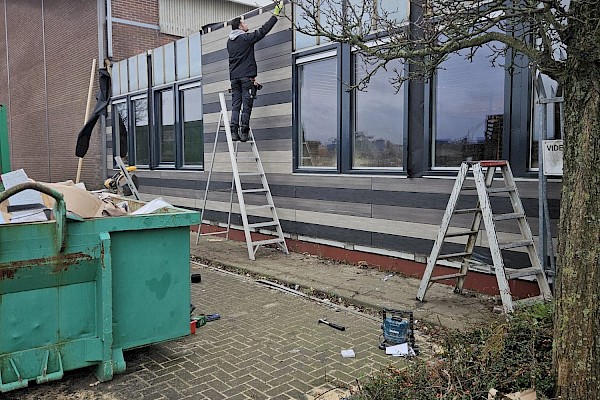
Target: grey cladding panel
x,y
262,100
275,41
266,65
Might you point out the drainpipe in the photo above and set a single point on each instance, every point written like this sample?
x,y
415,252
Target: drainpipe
x,y
109,33
102,23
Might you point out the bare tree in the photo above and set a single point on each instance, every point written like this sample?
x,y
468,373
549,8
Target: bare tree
x,y
558,38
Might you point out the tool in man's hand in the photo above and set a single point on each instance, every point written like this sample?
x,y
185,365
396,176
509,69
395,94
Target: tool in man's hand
x,y
331,324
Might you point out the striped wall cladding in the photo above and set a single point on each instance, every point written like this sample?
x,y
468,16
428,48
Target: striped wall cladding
x,y
381,213
185,17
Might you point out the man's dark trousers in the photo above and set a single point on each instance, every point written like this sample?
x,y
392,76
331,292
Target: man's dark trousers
x,y
242,99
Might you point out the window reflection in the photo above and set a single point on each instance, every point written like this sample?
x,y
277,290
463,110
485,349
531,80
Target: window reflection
x,y
193,149
318,113
120,126
142,132
378,119
166,126
469,110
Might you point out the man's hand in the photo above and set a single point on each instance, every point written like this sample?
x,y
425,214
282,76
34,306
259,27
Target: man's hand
x,y
278,8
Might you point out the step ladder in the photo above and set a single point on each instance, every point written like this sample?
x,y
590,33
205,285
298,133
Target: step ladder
x,y
483,212
272,222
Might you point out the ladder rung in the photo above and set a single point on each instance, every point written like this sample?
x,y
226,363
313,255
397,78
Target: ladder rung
x,y
262,224
261,190
502,189
247,158
529,301
453,255
467,210
461,233
249,174
520,273
503,217
259,207
512,245
449,276
268,241
213,233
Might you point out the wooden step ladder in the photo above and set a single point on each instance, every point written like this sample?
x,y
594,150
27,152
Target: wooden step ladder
x,y
272,222
483,212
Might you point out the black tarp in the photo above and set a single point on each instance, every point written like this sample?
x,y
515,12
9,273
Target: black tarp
x,y
103,98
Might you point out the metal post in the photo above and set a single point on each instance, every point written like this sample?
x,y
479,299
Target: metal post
x,y
4,149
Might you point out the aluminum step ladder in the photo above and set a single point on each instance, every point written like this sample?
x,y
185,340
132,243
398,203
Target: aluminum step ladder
x,y
483,212
272,222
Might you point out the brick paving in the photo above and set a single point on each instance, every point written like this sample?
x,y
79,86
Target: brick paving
x,y
267,345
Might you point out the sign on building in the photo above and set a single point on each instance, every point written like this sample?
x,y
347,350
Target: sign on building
x,y
553,157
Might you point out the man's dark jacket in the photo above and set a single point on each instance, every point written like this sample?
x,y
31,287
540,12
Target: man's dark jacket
x,y
241,50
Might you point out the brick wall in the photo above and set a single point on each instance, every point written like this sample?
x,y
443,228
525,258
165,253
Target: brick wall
x,y
49,61
129,40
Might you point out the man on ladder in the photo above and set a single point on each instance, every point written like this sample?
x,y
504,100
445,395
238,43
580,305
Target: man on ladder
x,y
243,71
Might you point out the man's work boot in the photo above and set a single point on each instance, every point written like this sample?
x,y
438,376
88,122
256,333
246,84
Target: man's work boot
x,y
245,134
235,133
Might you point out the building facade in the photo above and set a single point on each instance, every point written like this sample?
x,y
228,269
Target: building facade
x,y
356,176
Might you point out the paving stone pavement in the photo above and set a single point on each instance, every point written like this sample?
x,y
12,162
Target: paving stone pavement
x,y
267,345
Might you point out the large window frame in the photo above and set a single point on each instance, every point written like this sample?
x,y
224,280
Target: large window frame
x,y
154,119
343,55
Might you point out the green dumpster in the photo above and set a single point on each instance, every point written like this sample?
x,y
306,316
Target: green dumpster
x,y
77,293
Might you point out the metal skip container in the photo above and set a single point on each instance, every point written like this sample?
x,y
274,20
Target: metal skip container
x,y
76,294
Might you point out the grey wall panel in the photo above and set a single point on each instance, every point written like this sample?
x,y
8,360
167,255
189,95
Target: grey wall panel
x,y
216,63
270,46
262,100
258,123
263,67
220,35
527,188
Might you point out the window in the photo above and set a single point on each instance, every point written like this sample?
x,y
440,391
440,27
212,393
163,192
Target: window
x,y
468,110
166,126
193,138
141,131
161,92
344,131
378,123
318,113
121,130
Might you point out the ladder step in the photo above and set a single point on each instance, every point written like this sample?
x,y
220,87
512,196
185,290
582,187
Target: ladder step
x,y
250,207
467,210
503,217
461,233
453,255
268,241
250,174
262,224
512,245
520,273
213,233
449,276
529,301
247,158
261,190
502,189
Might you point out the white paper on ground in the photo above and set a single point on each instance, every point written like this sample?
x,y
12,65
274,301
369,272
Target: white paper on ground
x,y
152,206
348,353
400,350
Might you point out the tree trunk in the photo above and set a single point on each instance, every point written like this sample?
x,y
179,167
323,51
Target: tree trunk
x,y
577,323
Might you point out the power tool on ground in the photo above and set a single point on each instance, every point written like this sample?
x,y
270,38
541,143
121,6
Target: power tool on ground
x,y
398,328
